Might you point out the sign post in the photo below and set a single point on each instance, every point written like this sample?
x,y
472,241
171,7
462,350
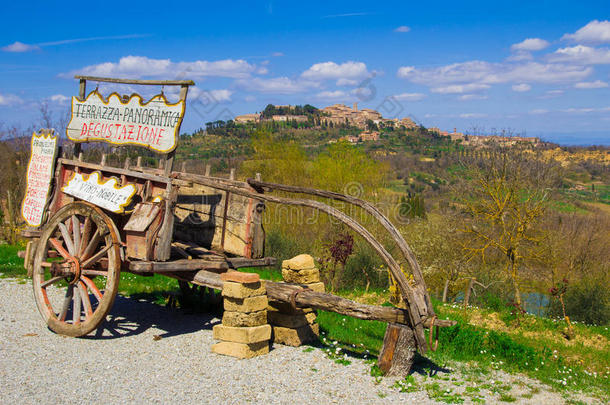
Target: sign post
x,y
39,174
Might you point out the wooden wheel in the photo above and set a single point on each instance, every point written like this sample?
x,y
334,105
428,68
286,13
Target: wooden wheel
x,y
78,254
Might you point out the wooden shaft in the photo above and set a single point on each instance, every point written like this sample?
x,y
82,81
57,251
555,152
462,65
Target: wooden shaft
x,y
375,213
407,291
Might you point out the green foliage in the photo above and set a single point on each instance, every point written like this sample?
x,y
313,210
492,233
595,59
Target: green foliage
x,y
412,206
587,301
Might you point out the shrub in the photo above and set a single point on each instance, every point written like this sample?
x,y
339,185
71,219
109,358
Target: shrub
x,y
587,301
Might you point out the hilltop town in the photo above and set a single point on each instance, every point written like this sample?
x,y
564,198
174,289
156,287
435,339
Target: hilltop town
x,y
370,122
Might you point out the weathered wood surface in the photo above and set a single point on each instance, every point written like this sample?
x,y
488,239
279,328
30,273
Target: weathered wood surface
x,y
310,299
197,264
398,351
137,81
115,170
415,313
375,213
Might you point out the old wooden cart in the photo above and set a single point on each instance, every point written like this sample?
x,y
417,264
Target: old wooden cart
x,y
191,227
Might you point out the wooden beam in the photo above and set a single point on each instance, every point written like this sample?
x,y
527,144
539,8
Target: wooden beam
x,y
137,81
115,170
198,264
310,299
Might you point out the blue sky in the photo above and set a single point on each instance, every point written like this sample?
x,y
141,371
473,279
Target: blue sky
x,y
542,67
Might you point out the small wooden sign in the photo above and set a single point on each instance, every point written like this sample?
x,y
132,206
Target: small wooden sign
x,y
154,124
39,175
104,194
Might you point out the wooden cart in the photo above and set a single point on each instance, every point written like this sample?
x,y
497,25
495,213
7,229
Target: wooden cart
x,y
187,226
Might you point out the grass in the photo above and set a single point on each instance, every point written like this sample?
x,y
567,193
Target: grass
x,y
10,264
535,349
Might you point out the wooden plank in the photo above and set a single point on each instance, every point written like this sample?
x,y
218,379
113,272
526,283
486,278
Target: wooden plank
x,y
137,81
398,351
114,170
197,264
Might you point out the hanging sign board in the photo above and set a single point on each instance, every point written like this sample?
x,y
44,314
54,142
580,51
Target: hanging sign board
x,y
39,174
104,194
154,124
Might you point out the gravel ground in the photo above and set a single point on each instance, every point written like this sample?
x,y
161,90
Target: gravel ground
x,y
127,362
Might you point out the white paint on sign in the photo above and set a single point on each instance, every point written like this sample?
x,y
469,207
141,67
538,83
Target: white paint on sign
x,y
105,194
154,124
39,174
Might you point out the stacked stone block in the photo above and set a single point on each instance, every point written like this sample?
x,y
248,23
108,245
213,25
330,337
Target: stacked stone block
x,y
296,326
244,332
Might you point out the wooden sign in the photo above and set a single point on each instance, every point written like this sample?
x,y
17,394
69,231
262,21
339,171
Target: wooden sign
x,y
105,194
154,124
39,174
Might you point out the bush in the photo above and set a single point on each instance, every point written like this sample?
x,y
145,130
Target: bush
x,y
587,301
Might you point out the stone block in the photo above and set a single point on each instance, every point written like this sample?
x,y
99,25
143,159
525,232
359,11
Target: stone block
x,y
250,304
240,277
239,290
232,318
297,336
301,276
300,262
241,350
252,334
291,321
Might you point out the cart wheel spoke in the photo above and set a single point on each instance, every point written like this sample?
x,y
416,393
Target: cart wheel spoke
x,y
84,239
67,239
52,281
84,295
76,307
76,233
96,292
96,257
60,248
93,243
66,304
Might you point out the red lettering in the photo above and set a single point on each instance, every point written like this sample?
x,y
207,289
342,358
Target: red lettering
x,y
83,130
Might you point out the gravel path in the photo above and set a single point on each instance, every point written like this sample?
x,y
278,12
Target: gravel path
x,y
127,363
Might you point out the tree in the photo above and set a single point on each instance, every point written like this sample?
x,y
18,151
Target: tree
x,y
507,200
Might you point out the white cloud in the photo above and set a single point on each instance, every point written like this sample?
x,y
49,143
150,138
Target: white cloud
x,y
539,111
581,54
409,96
467,97
249,98
520,56
521,87
59,98
598,84
460,88
277,54
530,44
586,110
348,72
10,99
450,78
20,47
473,115
277,85
347,82
331,95
551,94
402,28
142,66
594,32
